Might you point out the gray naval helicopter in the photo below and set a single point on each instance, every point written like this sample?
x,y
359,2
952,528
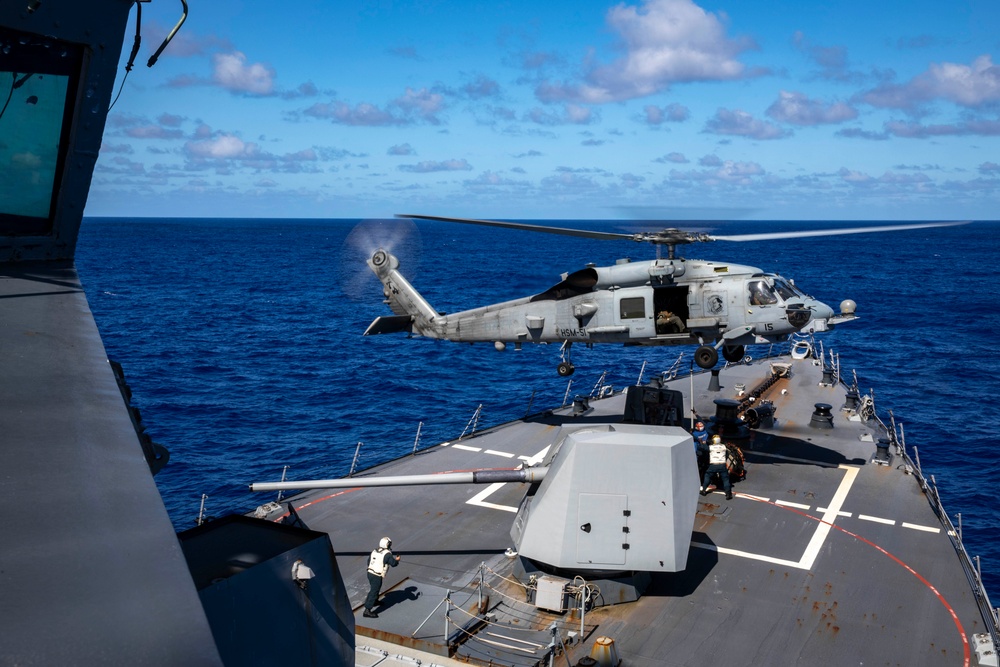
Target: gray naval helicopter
x,y
664,301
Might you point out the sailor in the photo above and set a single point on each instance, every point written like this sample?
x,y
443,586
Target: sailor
x,y
717,454
379,562
700,435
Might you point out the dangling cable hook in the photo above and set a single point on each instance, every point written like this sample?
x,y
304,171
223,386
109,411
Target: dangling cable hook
x,y
155,56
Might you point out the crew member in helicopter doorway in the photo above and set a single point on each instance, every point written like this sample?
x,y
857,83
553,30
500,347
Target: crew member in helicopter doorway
x,y
379,562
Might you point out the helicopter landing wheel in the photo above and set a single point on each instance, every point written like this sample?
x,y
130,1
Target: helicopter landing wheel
x,y
565,369
706,356
733,353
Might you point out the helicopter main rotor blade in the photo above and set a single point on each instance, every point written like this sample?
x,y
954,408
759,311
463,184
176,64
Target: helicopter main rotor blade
x,y
833,232
565,231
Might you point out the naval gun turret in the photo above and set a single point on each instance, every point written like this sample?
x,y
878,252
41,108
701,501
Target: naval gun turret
x,y
607,500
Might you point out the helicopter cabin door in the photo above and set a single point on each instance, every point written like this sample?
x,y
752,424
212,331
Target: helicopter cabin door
x,y
634,312
670,307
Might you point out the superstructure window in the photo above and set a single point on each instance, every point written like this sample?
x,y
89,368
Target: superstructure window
x,y
38,81
633,308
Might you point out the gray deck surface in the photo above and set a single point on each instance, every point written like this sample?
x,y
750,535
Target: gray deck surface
x,y
91,571
821,558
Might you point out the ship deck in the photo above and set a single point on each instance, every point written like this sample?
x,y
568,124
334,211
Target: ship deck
x,y
821,557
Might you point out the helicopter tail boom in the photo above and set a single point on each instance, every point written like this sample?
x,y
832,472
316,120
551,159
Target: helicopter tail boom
x,y
412,311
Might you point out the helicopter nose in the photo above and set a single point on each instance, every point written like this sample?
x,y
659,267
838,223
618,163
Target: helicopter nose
x,y
821,316
821,311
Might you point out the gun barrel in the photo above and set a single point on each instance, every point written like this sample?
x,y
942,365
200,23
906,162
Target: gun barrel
x,y
530,475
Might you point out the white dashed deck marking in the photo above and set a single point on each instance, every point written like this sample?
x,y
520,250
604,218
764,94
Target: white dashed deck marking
x,y
788,503
467,448
877,519
494,452
926,529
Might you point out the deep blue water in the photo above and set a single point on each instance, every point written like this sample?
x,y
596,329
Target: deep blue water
x,y
241,340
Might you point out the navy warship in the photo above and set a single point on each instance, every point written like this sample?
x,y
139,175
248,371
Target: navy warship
x,y
576,534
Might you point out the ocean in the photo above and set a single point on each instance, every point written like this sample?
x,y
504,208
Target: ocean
x,y
242,342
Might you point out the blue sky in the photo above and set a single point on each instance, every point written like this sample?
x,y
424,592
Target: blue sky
x,y
576,110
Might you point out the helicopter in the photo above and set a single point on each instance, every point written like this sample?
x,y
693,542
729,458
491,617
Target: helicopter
x,y
664,301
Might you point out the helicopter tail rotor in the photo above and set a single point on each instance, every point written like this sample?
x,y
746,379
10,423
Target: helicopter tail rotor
x,y
396,236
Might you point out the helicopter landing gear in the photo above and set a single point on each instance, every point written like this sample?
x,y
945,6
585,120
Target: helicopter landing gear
x,y
733,353
565,367
706,357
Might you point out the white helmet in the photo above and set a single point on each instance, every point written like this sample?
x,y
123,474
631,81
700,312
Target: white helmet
x,y
384,543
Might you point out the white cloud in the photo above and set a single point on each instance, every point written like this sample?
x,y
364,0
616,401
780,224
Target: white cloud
x,y
986,128
401,149
676,158
973,86
224,147
491,181
481,87
989,168
232,73
411,107
429,166
970,86
854,177
672,113
572,114
665,42
797,109
727,171
741,124
364,114
422,103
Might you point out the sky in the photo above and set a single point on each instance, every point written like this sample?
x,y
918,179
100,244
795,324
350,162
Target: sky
x,y
665,109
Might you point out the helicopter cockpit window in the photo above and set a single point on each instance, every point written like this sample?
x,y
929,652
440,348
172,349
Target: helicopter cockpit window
x,y
761,294
633,308
38,76
785,289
